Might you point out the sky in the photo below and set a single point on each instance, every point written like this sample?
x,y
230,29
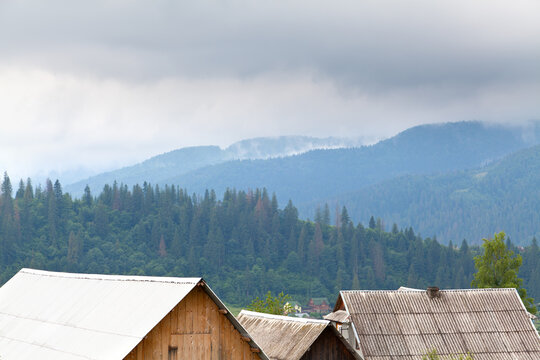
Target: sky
x,y
95,85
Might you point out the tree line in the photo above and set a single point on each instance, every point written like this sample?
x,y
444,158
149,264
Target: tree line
x,y
244,244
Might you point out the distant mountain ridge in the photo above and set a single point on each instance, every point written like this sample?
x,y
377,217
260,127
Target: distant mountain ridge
x,y
392,179
318,175
471,204
161,168
281,146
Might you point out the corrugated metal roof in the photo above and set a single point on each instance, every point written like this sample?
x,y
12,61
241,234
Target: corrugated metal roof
x,y
340,316
407,323
49,315
285,337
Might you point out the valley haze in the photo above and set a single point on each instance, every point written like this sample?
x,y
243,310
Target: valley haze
x,y
92,87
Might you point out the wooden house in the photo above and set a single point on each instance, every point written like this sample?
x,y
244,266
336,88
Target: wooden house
x,y
319,305
61,316
292,338
405,324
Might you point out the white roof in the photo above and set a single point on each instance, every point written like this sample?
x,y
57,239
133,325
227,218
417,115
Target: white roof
x,y
50,315
283,317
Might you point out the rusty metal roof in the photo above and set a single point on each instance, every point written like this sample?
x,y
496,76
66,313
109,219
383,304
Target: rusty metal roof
x,y
286,337
405,324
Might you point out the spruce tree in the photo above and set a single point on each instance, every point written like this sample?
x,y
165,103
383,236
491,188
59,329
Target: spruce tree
x,y
326,215
20,191
372,224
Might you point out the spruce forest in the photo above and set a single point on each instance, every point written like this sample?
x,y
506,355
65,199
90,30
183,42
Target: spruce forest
x,y
243,244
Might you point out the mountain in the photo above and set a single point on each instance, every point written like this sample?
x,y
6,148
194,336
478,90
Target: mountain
x,y
472,204
161,168
317,175
420,177
272,147
156,169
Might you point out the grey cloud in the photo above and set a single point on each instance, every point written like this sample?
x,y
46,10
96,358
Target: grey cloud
x,y
371,44
114,82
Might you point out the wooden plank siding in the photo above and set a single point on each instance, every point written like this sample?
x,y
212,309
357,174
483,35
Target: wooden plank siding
x,y
197,330
327,346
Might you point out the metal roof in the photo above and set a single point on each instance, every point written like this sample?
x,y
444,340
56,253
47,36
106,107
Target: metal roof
x,y
50,315
339,316
406,323
286,337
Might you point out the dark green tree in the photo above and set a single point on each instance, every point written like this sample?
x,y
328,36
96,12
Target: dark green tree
x,y
20,191
326,215
372,224
87,197
9,224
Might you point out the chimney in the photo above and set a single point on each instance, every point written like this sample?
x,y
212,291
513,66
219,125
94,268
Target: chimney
x,y
433,292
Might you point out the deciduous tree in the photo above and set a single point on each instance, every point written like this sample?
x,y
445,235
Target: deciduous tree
x,y
277,305
498,267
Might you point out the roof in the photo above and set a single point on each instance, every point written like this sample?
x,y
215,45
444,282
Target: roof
x,y
340,316
51,315
406,323
285,337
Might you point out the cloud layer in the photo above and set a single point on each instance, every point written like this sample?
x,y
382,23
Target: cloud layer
x,y
101,84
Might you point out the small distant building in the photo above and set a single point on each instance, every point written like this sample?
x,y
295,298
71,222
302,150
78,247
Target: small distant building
x,y
292,338
61,316
295,307
407,323
319,305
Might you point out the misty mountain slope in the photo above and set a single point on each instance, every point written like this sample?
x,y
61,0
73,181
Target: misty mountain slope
x,y
323,174
473,204
155,169
160,168
269,147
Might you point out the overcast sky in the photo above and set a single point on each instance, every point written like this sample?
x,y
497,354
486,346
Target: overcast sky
x,y
92,85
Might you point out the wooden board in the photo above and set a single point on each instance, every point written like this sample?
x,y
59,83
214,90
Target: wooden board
x,y
198,330
328,346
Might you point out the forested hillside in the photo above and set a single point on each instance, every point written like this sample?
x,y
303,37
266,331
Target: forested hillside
x,y
244,243
504,195
320,175
425,149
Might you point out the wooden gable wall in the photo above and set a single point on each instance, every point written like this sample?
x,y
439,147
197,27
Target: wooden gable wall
x,y
197,330
328,346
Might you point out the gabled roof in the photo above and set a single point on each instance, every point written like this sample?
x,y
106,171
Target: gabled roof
x,y
50,315
286,337
407,323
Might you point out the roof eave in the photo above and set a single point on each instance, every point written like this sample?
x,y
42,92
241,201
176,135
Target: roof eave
x,y
243,332
357,338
